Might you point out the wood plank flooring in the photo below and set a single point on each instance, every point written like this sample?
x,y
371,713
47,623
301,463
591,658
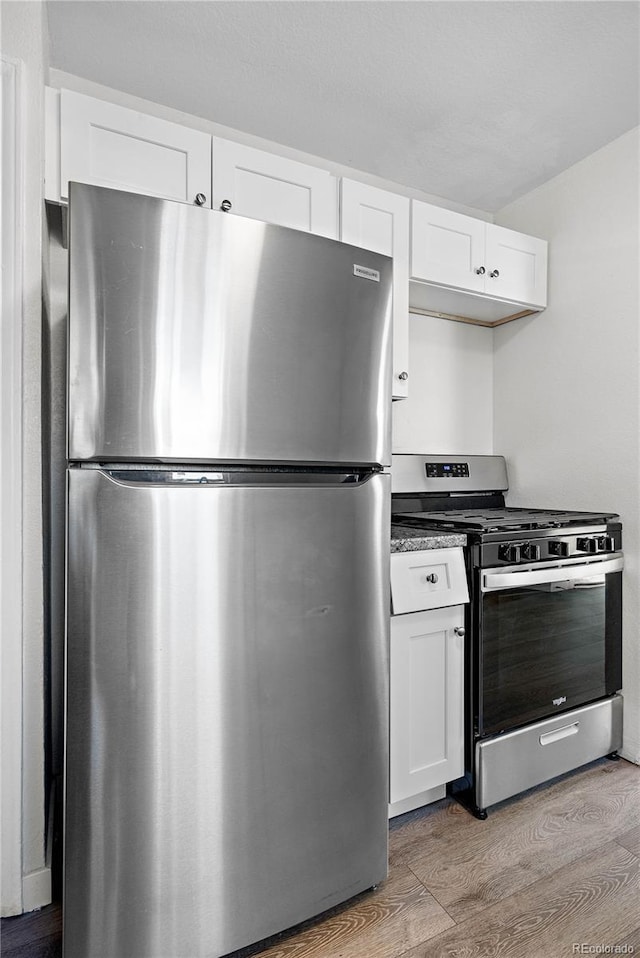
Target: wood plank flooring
x,y
549,871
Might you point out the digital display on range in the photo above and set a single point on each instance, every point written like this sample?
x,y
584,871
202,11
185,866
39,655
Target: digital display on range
x,y
447,470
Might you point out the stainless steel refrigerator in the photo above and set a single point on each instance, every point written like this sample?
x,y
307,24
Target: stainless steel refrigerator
x,y
226,758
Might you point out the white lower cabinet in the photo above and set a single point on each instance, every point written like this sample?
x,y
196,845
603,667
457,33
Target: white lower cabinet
x,y
426,705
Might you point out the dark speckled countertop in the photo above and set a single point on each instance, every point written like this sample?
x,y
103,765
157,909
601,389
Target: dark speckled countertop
x,y
408,539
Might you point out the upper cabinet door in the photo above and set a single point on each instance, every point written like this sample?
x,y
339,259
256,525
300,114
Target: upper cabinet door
x,y
447,247
379,221
274,189
108,145
516,266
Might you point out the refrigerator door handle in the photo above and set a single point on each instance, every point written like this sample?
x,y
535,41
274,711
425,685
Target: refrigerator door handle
x,y
188,478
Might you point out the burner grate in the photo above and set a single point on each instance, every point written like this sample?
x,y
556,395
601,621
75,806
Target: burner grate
x,y
503,520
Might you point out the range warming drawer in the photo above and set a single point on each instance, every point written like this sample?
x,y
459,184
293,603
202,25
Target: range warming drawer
x,y
512,762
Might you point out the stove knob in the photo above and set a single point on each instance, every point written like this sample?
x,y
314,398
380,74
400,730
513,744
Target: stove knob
x,y
558,548
510,553
531,550
605,543
587,544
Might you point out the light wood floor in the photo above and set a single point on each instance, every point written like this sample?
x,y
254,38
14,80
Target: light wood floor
x,y
552,870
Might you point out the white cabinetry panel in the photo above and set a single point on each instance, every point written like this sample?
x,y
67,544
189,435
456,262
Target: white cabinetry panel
x,y
520,261
274,189
109,145
447,247
426,696
379,220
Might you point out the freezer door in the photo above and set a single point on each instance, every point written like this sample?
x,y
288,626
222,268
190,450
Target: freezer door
x,y
227,709
200,335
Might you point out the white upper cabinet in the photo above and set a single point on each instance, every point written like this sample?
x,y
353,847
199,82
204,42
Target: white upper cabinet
x,y
495,268
379,221
445,263
274,189
92,141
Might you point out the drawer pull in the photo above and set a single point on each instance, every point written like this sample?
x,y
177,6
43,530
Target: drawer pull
x,y
432,577
547,738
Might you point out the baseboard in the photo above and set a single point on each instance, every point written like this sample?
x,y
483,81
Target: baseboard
x,y
36,889
417,801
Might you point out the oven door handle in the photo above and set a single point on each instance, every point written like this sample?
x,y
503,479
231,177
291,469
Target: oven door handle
x,y
494,581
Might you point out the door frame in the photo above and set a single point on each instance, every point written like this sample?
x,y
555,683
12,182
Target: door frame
x,y
11,473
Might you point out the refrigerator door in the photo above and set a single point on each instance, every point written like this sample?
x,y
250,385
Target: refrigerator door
x,y
227,708
199,335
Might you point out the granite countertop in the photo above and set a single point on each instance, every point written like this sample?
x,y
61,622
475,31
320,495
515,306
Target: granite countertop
x,y
409,539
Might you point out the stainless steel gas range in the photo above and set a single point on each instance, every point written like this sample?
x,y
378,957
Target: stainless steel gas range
x,y
544,624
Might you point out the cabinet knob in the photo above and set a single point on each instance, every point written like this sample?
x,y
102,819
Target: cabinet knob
x,y
459,630
494,273
432,577
403,376
200,199
481,271
225,206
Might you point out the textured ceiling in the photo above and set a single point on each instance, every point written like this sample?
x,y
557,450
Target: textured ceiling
x,y
475,101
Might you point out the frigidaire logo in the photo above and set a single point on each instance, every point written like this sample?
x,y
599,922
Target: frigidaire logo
x,y
366,273
563,698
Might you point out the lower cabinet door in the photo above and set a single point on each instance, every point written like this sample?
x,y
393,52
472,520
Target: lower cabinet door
x,y
426,700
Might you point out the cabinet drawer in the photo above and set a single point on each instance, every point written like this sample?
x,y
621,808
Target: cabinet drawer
x,y
430,579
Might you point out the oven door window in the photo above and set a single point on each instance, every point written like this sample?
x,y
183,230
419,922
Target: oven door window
x,y
547,648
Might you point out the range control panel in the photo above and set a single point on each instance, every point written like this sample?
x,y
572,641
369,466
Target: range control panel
x,y
545,548
447,470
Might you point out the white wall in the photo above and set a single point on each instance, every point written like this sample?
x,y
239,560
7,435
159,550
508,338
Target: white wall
x,y
25,877
450,403
567,414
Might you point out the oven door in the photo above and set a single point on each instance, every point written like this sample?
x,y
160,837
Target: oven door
x,y
550,639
